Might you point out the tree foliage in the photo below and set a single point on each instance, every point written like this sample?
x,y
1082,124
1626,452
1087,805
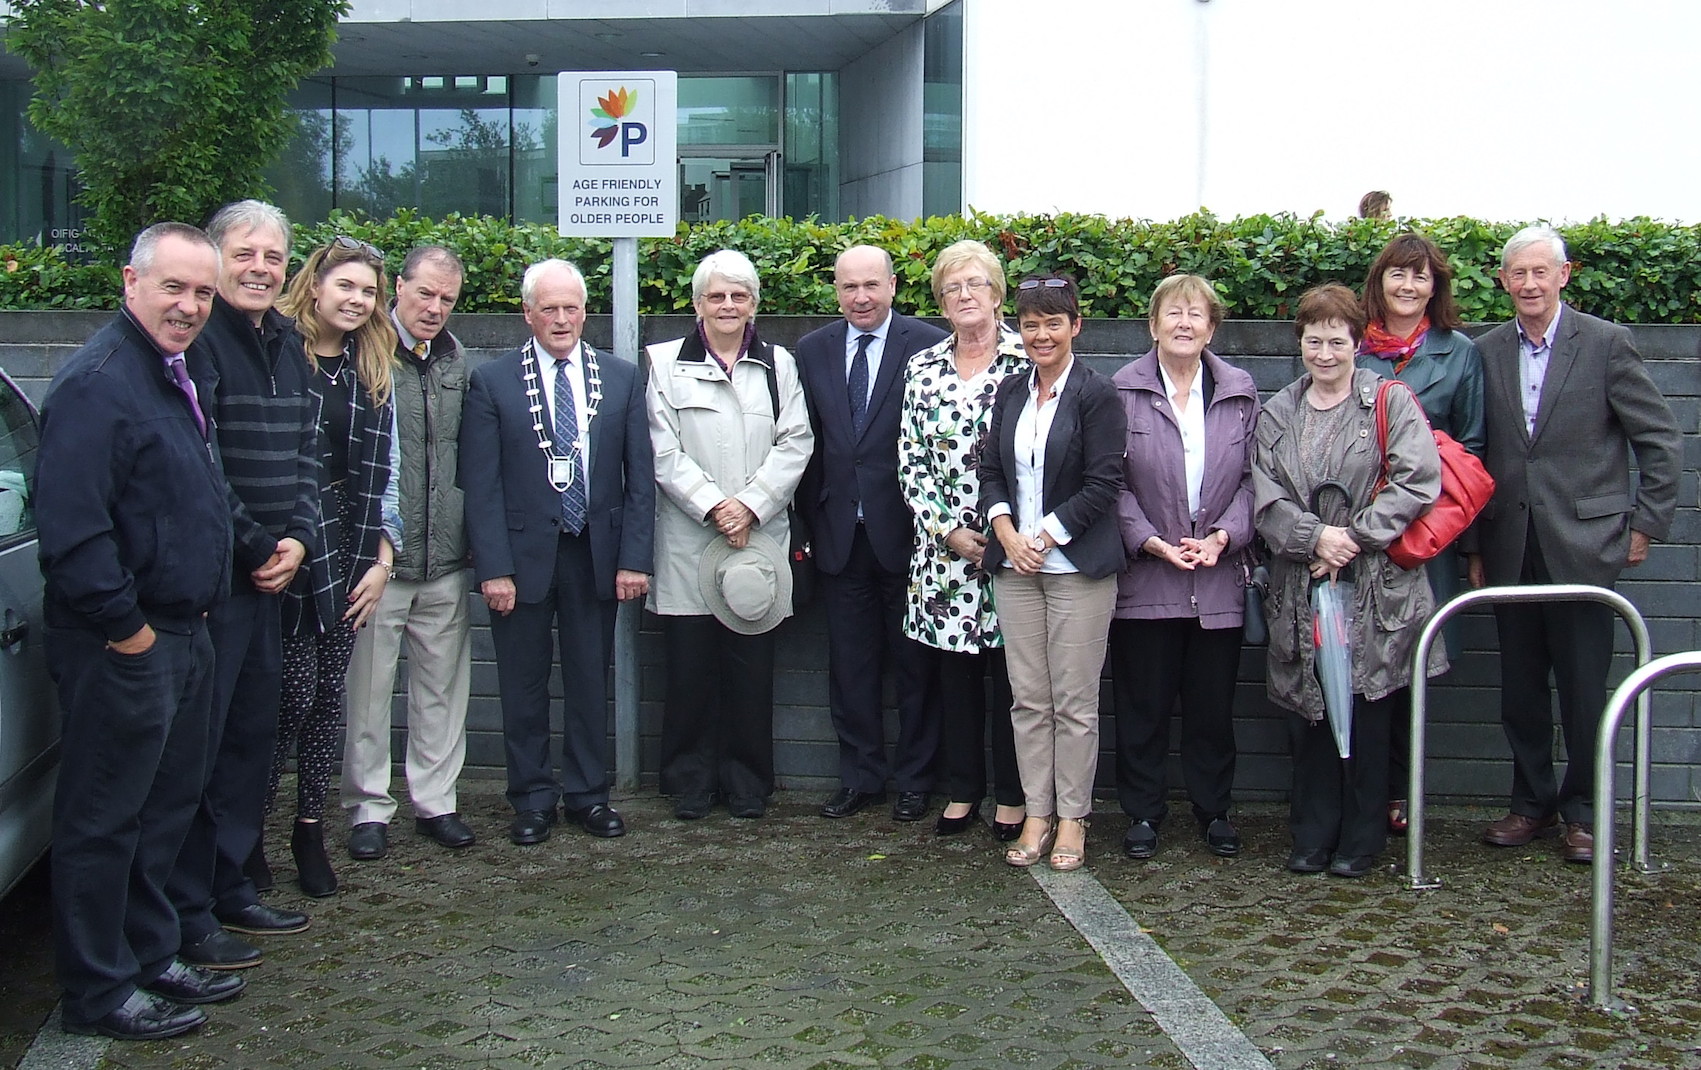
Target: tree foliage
x,y
172,107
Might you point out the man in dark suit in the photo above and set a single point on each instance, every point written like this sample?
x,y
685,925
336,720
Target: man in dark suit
x,y
135,543
853,378
1567,402
559,478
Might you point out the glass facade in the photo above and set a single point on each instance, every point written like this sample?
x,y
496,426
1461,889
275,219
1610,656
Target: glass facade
x,y
763,143
942,112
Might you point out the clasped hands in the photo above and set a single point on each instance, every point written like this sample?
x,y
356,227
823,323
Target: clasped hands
x,y
733,519
1335,550
1192,553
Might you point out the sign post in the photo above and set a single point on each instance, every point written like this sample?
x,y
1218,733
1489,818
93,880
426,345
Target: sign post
x,y
619,179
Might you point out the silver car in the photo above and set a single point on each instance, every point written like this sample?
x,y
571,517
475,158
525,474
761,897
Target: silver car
x,y
29,713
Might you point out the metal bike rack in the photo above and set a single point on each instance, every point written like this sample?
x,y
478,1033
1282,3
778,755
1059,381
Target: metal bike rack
x,y
1552,592
1635,687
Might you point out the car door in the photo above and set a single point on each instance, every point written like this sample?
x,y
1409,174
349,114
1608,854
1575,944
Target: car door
x,y
29,714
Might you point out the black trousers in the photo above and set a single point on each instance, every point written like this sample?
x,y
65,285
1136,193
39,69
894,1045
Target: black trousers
x,y
865,639
525,641
718,718
242,736
132,760
969,721
1342,805
1573,642
1154,662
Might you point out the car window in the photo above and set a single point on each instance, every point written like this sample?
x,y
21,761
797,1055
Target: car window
x,y
18,442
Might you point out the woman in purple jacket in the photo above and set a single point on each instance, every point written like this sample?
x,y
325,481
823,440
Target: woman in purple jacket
x,y
1186,517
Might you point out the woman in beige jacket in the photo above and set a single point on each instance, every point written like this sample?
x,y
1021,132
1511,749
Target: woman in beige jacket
x,y
732,437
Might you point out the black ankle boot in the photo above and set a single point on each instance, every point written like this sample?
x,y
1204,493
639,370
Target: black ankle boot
x,y
256,869
312,868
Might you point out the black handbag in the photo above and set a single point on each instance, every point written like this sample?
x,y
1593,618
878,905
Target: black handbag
x,y
1256,584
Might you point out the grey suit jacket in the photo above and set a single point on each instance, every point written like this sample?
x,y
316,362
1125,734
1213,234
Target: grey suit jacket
x,y
1572,475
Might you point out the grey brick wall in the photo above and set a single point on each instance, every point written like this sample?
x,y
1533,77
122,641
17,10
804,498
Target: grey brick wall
x,y
1469,759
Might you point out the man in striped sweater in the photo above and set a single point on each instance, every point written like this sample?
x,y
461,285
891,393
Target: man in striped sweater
x,y
267,436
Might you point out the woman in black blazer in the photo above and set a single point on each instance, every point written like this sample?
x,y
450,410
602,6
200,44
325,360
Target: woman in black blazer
x,y
1050,479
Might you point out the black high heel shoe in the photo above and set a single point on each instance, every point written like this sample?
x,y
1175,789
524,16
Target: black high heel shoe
x,y
951,826
1006,831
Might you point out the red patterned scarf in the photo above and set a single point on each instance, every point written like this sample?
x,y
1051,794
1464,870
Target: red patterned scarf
x,y
1379,343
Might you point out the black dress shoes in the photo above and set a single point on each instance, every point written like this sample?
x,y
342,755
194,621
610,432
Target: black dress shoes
x,y
369,841
910,806
1356,866
694,806
599,820
447,829
1004,832
144,1016
219,950
747,807
951,826
531,826
183,983
1309,861
1221,837
258,919
1141,841
847,801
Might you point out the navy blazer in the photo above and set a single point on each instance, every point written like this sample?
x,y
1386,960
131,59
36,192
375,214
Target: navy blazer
x,y
1083,467
514,514
846,469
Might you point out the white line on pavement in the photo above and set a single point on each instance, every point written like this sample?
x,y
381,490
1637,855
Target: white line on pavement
x,y
1195,1024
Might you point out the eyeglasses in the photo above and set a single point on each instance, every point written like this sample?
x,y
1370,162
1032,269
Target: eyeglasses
x,y
737,297
345,242
1050,284
967,286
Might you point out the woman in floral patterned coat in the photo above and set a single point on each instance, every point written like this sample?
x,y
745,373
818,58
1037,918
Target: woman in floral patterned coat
x,y
948,395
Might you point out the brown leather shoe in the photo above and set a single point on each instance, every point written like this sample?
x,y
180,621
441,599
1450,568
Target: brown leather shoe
x,y
1578,844
1516,830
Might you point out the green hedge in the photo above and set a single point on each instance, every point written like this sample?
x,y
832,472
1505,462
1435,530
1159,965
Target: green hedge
x,y
1633,271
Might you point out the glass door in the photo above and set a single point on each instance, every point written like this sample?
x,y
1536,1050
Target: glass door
x,y
730,186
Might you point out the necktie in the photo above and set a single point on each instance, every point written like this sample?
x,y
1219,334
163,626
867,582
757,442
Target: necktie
x,y
420,348
180,375
573,504
859,384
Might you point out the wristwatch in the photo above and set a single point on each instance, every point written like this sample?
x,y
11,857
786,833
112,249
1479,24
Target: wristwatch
x,y
1039,544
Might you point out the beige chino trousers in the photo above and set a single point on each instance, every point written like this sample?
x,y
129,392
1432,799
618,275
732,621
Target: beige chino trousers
x,y
1055,626
435,619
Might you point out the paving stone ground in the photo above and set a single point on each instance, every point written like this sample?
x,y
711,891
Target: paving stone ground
x,y
799,942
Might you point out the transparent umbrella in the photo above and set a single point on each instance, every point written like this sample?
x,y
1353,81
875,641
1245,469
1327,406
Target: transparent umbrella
x,y
1332,630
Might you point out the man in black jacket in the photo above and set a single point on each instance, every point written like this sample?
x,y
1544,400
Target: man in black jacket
x,y
135,543
267,436
853,376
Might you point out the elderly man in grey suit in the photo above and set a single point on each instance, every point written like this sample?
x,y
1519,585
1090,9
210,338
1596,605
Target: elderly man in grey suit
x,y
1568,402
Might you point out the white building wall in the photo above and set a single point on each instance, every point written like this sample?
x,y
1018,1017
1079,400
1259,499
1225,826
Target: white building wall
x,y
880,135
1501,109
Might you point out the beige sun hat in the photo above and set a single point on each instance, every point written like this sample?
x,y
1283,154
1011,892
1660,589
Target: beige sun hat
x,y
747,589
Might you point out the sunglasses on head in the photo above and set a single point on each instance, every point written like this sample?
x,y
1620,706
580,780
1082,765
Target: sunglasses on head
x,y
345,242
1050,284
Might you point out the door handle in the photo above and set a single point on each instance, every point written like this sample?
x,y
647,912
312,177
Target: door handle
x,y
15,634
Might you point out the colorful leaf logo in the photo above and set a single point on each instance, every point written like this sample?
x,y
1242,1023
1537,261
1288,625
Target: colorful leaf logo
x,y
604,119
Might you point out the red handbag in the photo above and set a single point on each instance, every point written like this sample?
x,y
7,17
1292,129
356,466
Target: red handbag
x,y
1466,488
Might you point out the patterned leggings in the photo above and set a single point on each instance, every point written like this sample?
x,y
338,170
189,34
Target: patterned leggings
x,y
310,715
